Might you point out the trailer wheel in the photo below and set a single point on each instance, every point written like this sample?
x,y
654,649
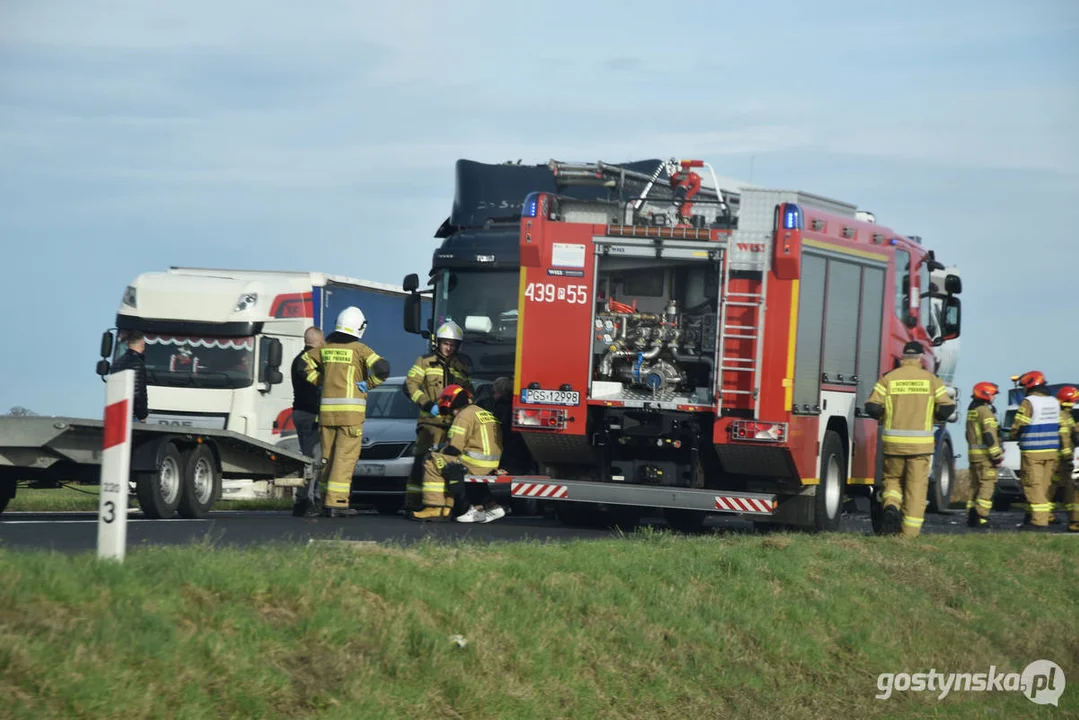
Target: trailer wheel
x,y
828,505
159,492
201,482
940,493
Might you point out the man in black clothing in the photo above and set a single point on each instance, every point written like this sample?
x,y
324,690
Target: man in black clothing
x,y
134,359
306,395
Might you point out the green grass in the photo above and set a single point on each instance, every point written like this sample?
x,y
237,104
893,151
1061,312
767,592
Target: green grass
x,y
652,626
77,498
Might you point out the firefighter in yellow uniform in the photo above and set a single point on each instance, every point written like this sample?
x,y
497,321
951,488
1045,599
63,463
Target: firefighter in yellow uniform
x,y
906,401
1037,427
986,454
429,376
1069,440
473,447
347,369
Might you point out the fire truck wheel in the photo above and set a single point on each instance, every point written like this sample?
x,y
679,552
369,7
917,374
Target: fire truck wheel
x,y
201,482
940,491
685,521
159,492
828,505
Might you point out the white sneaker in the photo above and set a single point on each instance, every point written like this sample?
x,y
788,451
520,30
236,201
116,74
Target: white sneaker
x,y
493,514
471,516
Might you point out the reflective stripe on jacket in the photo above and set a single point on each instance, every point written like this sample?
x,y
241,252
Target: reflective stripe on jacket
x,y
910,395
1038,423
341,366
983,432
477,434
428,377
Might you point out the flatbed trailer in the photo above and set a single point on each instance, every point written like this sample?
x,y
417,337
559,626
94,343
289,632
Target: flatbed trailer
x,y
172,470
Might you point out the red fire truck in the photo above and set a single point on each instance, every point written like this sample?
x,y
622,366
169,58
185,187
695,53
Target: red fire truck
x,y
697,350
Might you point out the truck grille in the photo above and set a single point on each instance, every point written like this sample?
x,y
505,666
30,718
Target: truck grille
x,y
383,451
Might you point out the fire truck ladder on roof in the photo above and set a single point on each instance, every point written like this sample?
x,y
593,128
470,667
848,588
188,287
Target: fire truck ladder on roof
x,y
733,304
615,177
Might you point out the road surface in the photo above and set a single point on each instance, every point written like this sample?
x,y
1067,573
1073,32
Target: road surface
x,y
77,532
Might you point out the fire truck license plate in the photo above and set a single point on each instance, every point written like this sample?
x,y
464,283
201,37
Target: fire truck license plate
x,y
552,397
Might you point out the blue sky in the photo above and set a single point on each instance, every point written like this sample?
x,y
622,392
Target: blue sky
x,y
135,135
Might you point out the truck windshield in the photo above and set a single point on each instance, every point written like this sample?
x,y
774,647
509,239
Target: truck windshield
x,y
203,362
482,302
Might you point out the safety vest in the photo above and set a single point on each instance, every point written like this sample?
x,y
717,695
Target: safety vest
x,y
477,434
1042,429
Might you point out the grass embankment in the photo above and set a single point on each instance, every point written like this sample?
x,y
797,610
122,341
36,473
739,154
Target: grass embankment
x,y
653,626
80,498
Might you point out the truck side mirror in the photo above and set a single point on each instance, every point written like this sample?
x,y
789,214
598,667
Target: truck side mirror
x,y
102,368
413,309
953,285
270,372
106,344
411,283
950,317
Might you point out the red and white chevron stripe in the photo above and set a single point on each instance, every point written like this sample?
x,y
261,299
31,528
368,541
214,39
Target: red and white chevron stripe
x,y
487,479
745,505
538,490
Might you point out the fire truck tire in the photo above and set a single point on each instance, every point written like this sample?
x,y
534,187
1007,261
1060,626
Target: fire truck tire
x,y
685,521
159,492
828,503
940,491
573,514
201,482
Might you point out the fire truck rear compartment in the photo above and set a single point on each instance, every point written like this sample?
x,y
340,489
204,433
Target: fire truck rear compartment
x,y
654,331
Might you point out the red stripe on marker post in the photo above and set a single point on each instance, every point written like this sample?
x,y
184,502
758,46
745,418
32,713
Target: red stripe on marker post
x,y
117,417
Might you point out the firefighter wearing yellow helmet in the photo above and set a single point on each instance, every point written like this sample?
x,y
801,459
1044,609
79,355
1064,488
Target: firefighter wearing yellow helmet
x,y
346,369
430,375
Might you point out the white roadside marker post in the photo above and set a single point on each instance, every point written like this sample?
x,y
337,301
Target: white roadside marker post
x,y
115,466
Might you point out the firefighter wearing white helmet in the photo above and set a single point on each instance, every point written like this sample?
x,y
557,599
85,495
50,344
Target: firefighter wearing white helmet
x,y
346,369
429,376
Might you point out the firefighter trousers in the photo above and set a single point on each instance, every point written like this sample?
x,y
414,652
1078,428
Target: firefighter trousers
x,y
1037,472
427,436
983,481
906,486
1070,493
340,451
435,492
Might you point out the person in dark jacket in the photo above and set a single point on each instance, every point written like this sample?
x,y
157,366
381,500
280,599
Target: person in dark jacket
x,y
306,395
134,358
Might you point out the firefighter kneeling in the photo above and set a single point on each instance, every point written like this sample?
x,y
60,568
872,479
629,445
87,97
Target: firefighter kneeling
x,y
473,447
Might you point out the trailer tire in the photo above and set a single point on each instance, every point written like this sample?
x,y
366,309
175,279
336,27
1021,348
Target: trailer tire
x,y
159,492
828,502
940,492
201,482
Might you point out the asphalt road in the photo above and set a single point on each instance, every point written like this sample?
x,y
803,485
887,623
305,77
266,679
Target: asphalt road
x,y
77,532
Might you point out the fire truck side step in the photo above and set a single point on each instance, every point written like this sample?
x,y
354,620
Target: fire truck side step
x,y
546,488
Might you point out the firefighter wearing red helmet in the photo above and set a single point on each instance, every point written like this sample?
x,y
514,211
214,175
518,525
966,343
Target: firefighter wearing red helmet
x,y
473,447
1069,439
906,401
985,453
1037,426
